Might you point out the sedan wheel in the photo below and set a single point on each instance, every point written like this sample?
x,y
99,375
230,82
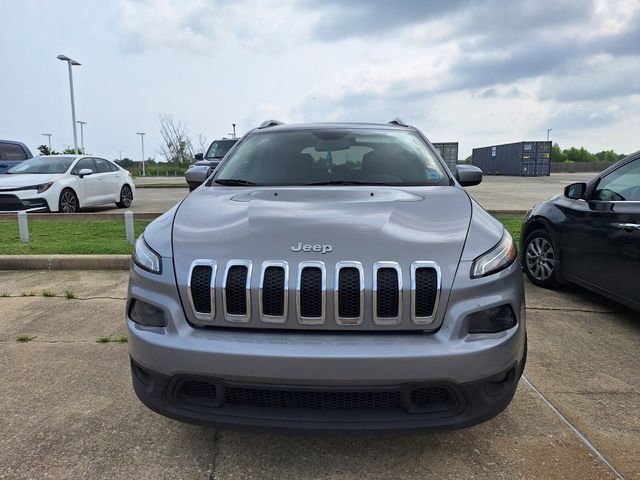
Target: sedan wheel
x,y
126,197
540,258
68,202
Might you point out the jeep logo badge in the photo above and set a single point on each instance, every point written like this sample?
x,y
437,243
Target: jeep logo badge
x,y
305,247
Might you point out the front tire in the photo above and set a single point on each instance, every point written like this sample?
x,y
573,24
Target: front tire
x,y
126,197
540,259
68,202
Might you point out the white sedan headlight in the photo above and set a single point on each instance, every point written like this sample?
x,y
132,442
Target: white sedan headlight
x,y
496,259
146,258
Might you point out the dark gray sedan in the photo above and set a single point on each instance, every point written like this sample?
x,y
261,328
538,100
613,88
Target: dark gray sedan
x,y
590,235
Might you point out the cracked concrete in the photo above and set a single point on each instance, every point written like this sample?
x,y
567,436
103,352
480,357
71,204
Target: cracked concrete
x,y
69,410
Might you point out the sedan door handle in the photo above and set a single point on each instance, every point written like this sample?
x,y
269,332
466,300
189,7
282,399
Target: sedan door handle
x,y
629,227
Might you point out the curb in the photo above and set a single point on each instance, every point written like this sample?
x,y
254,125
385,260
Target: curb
x,y
64,262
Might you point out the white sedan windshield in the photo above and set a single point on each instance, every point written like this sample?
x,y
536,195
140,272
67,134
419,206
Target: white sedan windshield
x,y
43,165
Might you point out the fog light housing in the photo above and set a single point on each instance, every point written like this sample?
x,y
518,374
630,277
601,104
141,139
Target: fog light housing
x,y
492,320
145,314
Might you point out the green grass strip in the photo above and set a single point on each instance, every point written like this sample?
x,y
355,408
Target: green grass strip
x,y
68,237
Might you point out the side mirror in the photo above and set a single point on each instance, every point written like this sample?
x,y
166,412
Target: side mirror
x,y
84,172
575,191
468,175
199,156
196,175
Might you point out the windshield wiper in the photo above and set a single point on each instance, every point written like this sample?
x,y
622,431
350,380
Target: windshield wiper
x,y
233,182
347,182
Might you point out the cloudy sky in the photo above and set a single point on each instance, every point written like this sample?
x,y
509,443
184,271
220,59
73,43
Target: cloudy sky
x,y
478,72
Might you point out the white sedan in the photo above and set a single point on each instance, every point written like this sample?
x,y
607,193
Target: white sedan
x,y
64,183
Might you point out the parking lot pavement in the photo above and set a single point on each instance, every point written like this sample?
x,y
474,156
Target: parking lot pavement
x,y
68,410
494,193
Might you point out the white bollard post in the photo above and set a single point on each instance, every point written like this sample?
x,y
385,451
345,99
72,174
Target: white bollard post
x,y
23,226
128,227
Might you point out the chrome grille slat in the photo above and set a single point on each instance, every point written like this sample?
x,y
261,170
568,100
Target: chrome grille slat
x,y
273,298
383,296
424,300
197,297
348,297
233,297
311,290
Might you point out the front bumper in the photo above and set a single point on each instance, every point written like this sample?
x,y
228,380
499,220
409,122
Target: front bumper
x,y
433,405
467,366
10,203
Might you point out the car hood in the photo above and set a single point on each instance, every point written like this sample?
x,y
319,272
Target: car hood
x,y
363,224
9,181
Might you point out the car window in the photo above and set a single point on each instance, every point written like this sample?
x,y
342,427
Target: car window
x,y
84,163
334,156
42,165
621,185
13,152
102,165
219,148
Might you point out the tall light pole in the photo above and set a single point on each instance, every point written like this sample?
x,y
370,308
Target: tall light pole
x,y
233,134
71,63
48,135
142,134
82,124
548,130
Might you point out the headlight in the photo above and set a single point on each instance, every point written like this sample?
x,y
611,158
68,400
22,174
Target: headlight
x,y
496,259
146,258
44,187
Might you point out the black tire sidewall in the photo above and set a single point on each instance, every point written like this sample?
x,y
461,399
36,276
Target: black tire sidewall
x,y
121,203
74,196
550,282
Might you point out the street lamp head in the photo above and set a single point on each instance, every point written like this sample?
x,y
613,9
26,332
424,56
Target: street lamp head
x,y
64,58
140,133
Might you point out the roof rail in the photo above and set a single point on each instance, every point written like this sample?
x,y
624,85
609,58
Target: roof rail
x,y
270,123
399,122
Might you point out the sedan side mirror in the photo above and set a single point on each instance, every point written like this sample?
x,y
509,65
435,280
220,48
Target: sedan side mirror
x,y
468,175
199,156
575,191
197,174
84,172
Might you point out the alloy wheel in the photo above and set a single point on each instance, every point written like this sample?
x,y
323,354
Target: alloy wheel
x,y
540,258
68,202
126,197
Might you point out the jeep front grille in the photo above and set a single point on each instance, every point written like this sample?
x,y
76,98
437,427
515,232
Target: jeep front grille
x,y
310,279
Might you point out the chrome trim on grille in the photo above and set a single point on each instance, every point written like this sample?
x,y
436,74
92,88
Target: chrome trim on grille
x,y
237,318
386,320
336,284
312,320
414,267
285,311
201,262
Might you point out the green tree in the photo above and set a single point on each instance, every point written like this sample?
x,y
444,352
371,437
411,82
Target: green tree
x,y
72,151
557,155
45,150
579,155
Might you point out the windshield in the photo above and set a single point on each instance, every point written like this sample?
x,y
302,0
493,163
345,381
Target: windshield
x,y
219,148
43,165
332,156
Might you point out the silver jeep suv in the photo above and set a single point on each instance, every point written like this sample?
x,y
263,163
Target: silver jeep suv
x,y
330,277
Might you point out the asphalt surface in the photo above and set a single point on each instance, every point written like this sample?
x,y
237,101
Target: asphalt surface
x,y
68,409
494,193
